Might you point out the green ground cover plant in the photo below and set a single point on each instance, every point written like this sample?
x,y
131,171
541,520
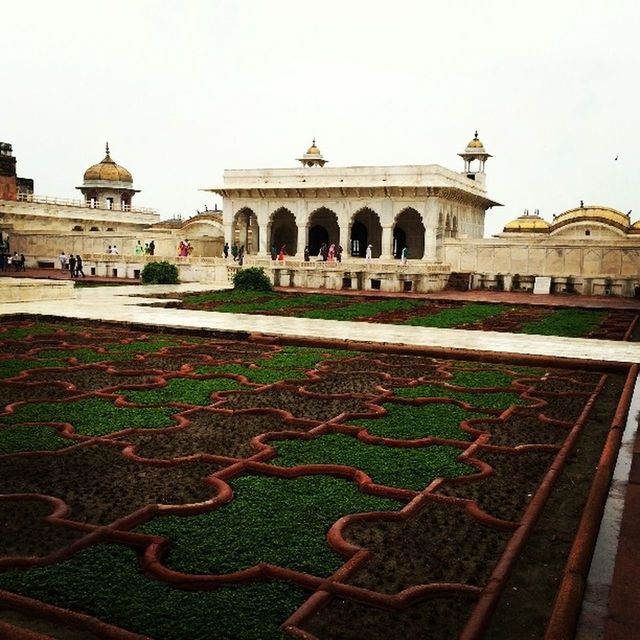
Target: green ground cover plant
x,y
92,416
244,532
405,467
251,279
15,439
479,379
350,310
570,323
406,422
259,376
12,367
105,581
184,390
275,303
455,317
304,358
497,400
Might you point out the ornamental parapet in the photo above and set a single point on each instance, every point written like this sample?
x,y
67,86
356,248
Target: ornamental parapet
x,y
84,204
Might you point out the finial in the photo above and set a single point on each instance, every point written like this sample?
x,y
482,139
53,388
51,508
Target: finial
x,y
107,148
313,144
476,135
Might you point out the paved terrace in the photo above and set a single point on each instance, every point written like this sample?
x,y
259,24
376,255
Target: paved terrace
x,y
610,607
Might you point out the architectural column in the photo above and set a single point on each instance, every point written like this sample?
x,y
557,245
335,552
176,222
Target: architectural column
x,y
387,243
429,245
302,239
262,215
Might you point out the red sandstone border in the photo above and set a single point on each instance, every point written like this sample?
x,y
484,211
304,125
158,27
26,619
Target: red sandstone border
x,y
568,601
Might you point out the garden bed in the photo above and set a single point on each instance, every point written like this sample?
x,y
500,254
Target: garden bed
x,y
174,486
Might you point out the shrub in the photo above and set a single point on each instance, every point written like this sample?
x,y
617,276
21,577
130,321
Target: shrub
x,y
251,279
160,273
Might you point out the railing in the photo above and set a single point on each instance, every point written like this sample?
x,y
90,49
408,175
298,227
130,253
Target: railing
x,y
85,204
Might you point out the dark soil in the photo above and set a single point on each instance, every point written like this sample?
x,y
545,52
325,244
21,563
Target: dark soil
x,y
15,392
334,383
90,378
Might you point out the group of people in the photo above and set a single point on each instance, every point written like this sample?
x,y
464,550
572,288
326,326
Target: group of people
x,y
7,261
184,249
149,248
278,254
329,253
237,252
71,263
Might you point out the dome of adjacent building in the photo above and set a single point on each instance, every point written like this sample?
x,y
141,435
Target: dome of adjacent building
x,y
605,215
475,143
107,170
527,224
313,150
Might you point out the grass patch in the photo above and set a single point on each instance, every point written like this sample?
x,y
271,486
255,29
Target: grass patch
x,y
458,316
498,400
13,367
409,468
478,379
105,581
18,439
92,416
406,422
568,323
259,376
246,531
351,310
185,390
117,351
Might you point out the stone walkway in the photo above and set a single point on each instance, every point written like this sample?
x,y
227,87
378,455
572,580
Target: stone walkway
x,y
616,564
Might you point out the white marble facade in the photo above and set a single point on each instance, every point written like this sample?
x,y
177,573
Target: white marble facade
x,y
389,207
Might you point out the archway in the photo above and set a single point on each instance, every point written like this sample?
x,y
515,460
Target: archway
x,y
328,230
358,239
318,236
246,230
284,231
409,223
366,229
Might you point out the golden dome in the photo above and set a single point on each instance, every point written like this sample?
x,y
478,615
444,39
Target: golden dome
x,y
475,143
527,224
592,214
313,150
107,170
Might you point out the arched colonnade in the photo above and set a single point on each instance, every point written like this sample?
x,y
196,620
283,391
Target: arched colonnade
x,y
364,227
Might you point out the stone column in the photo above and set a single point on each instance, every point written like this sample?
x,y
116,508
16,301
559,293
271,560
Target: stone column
x,y
302,239
387,243
429,245
262,216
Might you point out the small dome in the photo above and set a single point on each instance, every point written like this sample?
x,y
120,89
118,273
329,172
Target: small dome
x,y
313,150
527,224
107,170
475,143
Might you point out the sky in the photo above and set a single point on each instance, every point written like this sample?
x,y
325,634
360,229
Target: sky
x,y
184,89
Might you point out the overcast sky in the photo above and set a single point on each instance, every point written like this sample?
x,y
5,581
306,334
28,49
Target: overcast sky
x,y
184,89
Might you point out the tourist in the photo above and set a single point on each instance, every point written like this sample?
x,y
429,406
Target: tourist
x,y
139,250
306,253
72,265
225,250
339,253
63,260
147,252
282,253
234,251
22,261
331,254
274,253
15,261
367,255
114,250
241,255
79,266
109,251
403,255
152,248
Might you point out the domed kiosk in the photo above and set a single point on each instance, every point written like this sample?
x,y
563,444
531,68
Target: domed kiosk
x,y
108,185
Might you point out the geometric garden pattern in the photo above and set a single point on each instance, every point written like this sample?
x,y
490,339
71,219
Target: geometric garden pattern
x,y
175,486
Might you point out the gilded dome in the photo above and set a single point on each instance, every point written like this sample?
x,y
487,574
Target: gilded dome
x,y
313,150
593,214
527,224
475,143
107,170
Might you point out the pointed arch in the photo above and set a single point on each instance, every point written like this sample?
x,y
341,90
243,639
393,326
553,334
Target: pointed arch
x,y
365,229
408,231
323,228
245,230
283,231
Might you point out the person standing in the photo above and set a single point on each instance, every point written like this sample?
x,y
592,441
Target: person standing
x,y
114,250
339,253
241,255
79,266
403,255
306,253
368,253
22,261
234,251
63,260
139,250
225,250
72,265
152,248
